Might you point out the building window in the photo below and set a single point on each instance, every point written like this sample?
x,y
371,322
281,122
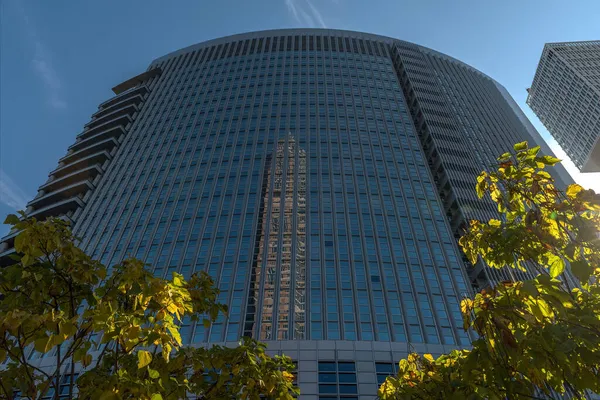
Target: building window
x,y
384,370
337,380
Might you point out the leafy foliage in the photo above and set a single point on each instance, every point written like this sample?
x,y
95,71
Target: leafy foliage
x,y
536,337
120,326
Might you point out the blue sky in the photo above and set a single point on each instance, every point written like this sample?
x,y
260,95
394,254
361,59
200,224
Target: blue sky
x,y
59,59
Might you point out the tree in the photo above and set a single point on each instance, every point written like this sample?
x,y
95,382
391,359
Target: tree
x,y
118,327
536,337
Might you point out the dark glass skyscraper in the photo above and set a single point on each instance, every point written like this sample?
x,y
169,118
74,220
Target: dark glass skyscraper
x,y
319,176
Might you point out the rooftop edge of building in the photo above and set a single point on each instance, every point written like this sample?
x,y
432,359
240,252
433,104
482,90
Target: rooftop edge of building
x,y
573,43
305,31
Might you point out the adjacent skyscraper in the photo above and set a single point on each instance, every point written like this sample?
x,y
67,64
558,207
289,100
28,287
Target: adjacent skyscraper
x,y
319,176
565,95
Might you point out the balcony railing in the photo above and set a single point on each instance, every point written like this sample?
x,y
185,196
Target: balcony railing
x,y
61,193
122,102
96,158
59,208
117,112
121,120
113,132
107,144
86,173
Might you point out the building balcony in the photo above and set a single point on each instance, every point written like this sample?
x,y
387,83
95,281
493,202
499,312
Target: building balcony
x,y
9,238
122,102
86,173
123,87
96,158
5,259
138,90
113,132
117,112
59,208
60,194
120,120
107,144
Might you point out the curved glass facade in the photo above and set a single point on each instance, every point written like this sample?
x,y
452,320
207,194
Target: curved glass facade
x,y
291,166
295,178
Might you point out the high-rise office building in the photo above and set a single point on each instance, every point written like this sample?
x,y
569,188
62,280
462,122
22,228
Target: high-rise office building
x,y
565,95
319,176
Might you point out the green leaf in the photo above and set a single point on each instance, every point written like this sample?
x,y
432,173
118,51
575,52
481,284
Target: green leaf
x,y
481,187
206,323
529,288
153,373
19,242
520,146
108,395
11,219
556,265
549,160
44,344
156,396
533,151
144,358
86,360
504,157
582,270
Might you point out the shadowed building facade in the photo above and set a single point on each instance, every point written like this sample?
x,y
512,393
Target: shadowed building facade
x,y
319,176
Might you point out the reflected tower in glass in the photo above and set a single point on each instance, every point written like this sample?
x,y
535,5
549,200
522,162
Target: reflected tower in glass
x,y
319,176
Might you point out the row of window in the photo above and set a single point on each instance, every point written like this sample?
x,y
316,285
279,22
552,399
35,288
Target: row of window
x,y
185,196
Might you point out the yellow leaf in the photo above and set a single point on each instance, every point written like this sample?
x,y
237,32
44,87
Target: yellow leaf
x,y
428,357
387,389
403,366
466,305
166,351
545,308
144,358
495,223
178,279
288,376
175,333
573,190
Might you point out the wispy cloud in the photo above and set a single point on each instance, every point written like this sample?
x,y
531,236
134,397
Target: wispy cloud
x,y
42,63
587,180
11,194
304,12
317,14
291,6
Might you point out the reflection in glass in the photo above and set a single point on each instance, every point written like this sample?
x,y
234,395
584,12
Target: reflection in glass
x,y
281,248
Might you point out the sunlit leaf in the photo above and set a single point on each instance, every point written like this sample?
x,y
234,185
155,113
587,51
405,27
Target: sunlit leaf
x,y
144,358
520,146
556,265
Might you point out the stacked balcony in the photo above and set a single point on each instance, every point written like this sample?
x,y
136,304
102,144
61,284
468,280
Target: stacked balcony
x,y
69,186
77,173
